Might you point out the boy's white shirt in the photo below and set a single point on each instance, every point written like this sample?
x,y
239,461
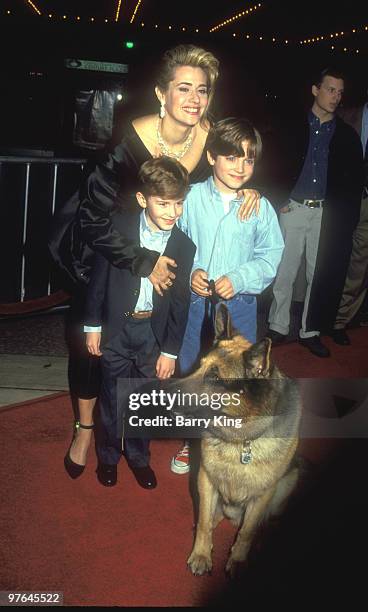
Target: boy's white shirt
x,y
226,199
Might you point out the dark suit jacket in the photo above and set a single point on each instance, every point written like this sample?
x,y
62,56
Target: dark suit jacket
x,y
354,117
345,166
340,214
83,225
113,292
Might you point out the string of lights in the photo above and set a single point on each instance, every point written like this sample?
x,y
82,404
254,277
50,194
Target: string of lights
x,y
118,11
281,41
35,8
293,43
264,38
236,17
328,37
331,39
135,11
170,27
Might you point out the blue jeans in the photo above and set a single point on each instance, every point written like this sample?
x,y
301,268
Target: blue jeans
x,y
243,311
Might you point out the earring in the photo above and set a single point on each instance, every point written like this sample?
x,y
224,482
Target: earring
x,y
162,110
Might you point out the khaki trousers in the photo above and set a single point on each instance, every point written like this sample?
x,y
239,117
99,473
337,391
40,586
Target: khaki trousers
x,y
356,281
301,229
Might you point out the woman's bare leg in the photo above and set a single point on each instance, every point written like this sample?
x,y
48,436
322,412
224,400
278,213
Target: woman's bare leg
x,y
80,445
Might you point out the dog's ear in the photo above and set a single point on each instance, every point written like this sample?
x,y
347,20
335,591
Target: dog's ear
x,y
223,325
257,359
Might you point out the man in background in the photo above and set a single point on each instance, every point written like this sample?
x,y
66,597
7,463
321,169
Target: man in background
x,y
354,295
322,191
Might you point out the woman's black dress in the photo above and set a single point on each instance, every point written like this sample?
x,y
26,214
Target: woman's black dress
x,y
84,226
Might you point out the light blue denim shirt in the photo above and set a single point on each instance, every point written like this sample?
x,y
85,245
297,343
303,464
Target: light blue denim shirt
x,y
154,241
247,252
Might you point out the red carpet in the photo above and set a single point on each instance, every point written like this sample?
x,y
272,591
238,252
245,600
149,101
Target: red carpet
x,y
115,547
128,547
345,361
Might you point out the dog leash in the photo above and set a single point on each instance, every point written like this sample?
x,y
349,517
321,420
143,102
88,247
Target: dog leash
x,y
208,326
211,301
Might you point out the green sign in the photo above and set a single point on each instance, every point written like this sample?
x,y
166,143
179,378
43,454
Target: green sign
x,y
96,66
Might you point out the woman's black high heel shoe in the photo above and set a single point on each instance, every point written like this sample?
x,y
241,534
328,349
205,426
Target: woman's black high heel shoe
x,y
75,469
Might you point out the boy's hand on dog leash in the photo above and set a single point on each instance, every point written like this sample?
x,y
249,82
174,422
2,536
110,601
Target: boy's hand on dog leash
x,y
165,367
251,202
161,276
199,283
224,288
93,340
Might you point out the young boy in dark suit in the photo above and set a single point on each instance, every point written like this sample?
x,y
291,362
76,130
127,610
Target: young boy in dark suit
x,y
141,331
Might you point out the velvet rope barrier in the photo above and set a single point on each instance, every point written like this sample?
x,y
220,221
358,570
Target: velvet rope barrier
x,y
42,303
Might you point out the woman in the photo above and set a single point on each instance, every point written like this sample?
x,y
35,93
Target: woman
x,y
185,87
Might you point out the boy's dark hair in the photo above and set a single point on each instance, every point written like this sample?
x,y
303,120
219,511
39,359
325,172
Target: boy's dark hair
x,y
331,71
164,177
226,136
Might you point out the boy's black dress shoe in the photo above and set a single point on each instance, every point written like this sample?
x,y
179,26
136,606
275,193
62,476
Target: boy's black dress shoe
x,y
315,346
107,474
144,476
339,336
275,337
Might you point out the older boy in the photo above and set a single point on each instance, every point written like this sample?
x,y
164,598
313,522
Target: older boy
x,y
241,257
142,331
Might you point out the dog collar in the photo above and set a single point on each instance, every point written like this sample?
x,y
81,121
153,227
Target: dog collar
x,y
246,452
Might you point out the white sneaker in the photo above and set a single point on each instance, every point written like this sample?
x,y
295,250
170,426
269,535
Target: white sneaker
x,y
180,462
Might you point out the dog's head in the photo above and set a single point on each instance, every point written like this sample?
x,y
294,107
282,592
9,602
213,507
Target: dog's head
x,y
240,380
234,356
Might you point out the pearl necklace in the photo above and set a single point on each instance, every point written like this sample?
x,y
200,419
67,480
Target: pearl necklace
x,y
166,149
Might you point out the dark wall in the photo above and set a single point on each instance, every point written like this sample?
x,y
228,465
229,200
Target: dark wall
x,y
257,79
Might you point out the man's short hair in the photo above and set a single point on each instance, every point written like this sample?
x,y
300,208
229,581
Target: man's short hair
x,y
331,71
226,136
164,177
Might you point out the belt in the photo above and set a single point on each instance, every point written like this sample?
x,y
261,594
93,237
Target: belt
x,y
310,203
143,314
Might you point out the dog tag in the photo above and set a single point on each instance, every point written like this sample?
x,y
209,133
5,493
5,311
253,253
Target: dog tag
x,y
246,453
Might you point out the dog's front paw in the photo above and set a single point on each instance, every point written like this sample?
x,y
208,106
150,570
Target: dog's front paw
x,y
234,568
199,564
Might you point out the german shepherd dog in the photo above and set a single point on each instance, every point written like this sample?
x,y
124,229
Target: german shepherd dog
x,y
246,473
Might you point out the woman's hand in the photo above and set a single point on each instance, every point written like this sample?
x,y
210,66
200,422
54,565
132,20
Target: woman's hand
x,y
161,276
250,204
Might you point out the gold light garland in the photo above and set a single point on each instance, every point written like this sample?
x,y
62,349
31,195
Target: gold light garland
x,y
328,37
323,38
135,11
236,17
35,8
118,11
